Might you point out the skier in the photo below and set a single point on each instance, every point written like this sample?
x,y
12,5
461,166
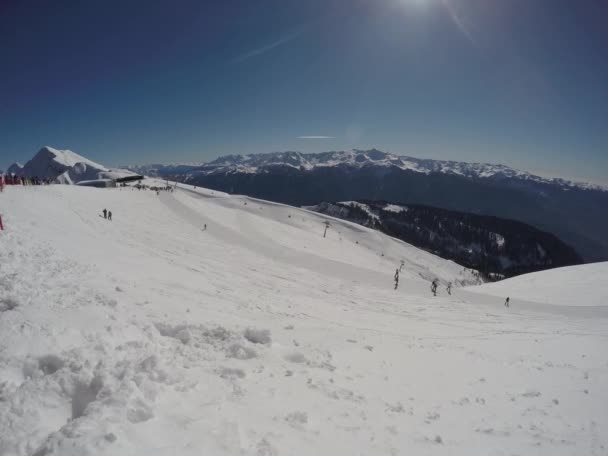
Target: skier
x,y
449,288
105,213
205,228
507,302
434,284
110,216
396,278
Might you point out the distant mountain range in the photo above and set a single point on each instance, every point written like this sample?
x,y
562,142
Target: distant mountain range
x,y
497,248
576,212
356,159
164,170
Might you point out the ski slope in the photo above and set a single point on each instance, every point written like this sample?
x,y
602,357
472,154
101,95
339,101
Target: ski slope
x,y
584,285
150,335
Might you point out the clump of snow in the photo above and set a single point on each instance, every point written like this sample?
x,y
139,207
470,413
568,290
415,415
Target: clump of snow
x,y
297,419
139,411
231,373
239,351
179,332
258,336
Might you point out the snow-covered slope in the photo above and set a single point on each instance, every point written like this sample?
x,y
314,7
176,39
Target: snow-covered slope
x,y
149,335
67,167
356,159
584,285
497,247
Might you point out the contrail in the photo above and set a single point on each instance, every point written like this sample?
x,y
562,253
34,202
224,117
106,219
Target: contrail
x,y
459,22
315,137
269,47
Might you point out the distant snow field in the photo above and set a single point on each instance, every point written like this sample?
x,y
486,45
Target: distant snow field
x,y
151,335
584,285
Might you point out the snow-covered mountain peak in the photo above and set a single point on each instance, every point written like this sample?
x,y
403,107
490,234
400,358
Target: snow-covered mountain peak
x,y
65,167
65,158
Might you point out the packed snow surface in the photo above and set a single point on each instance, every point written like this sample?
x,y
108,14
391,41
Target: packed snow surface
x,y
584,285
151,335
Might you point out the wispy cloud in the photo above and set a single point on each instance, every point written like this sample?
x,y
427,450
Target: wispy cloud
x,y
315,137
459,21
269,47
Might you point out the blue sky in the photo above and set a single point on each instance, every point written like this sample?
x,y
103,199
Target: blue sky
x,y
519,82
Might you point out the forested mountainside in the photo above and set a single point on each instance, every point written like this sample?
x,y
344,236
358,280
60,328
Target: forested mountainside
x,y
496,247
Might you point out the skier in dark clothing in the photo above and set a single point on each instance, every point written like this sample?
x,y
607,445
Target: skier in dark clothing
x,y
507,302
105,213
434,284
110,216
396,278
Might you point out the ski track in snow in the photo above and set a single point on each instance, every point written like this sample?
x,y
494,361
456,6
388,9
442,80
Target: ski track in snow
x,y
148,335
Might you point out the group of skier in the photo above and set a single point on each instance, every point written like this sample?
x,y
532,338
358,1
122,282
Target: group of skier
x,y
11,179
107,214
434,285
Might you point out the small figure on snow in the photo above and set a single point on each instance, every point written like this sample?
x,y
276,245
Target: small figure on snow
x,y
205,227
434,285
105,213
396,278
449,288
110,216
507,302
